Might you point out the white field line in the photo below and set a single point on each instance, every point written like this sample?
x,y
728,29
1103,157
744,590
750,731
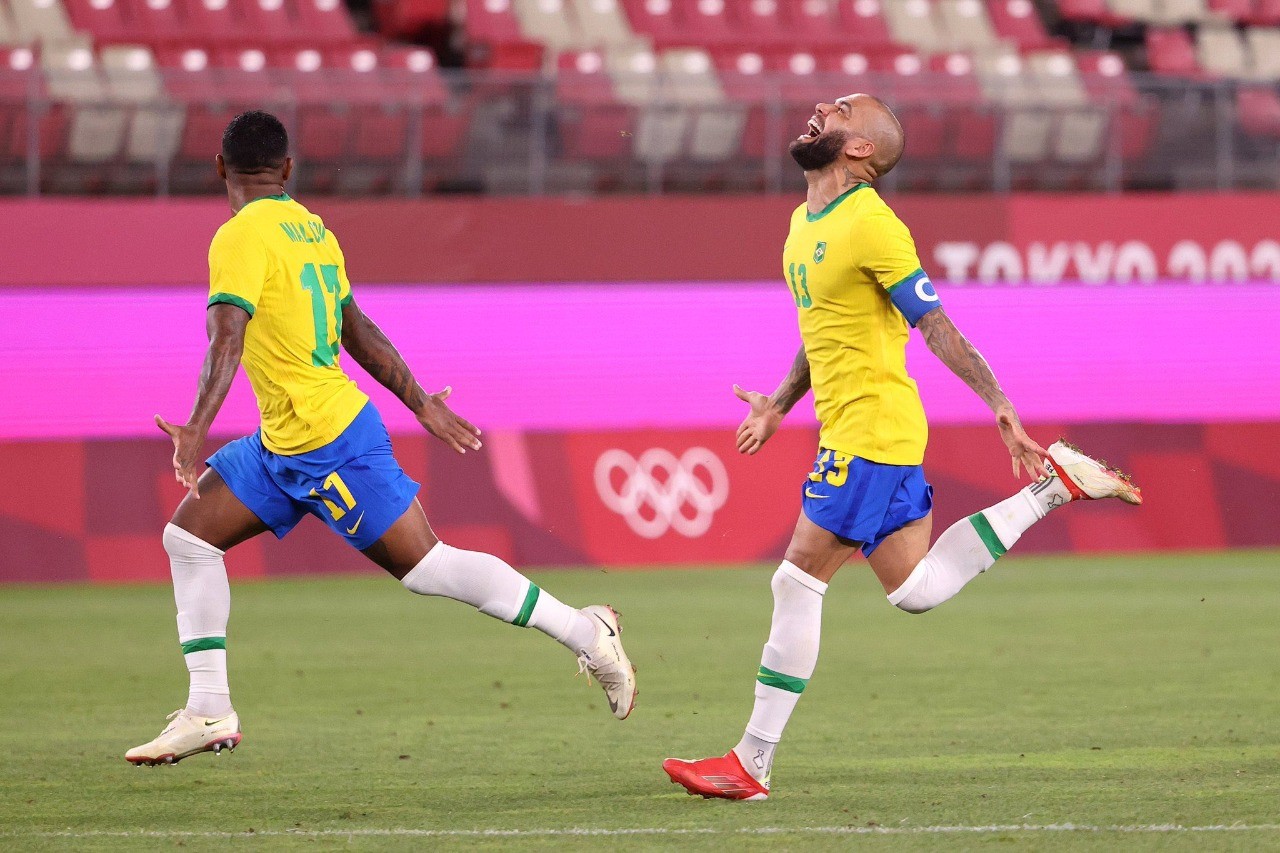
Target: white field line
x,y
1166,828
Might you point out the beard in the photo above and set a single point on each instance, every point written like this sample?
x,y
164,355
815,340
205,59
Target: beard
x,y
819,152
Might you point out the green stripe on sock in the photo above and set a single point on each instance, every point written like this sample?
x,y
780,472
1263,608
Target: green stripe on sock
x,y
526,609
204,644
988,535
789,683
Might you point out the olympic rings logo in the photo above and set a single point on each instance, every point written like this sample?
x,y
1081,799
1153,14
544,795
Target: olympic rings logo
x,y
659,492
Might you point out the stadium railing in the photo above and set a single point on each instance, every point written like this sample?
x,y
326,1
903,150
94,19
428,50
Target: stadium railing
x,y
155,131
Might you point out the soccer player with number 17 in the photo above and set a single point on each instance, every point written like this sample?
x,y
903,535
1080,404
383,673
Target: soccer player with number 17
x,y
852,269
280,304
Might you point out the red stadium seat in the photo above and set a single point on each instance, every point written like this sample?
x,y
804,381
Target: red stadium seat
x,y
408,18
19,77
157,21
594,124
444,123
1090,12
1170,51
1018,21
271,21
1258,111
495,40
1109,85
706,23
760,23
1232,10
104,19
862,23
813,23
657,20
741,73
211,20
1266,13
324,20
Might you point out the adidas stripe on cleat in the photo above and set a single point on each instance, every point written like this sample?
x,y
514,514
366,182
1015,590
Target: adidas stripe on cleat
x,y
721,777
1089,479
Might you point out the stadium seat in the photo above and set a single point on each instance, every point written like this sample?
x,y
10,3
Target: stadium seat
x,y
97,127
104,19
1174,12
211,20
1135,10
548,22
707,22
593,123
157,21
655,20
1264,53
1220,52
324,20
602,23
1265,13
1018,22
443,123
1258,112
1170,51
863,23
40,21
762,23
155,126
495,40
1231,10
716,123
407,19
915,23
965,25
270,22
1134,118
1097,12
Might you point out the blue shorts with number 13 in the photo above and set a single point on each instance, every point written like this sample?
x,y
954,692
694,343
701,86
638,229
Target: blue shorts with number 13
x,y
863,501
353,484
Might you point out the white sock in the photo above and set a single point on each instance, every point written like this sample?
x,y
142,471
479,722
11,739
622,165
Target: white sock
x,y
493,587
785,667
969,547
203,596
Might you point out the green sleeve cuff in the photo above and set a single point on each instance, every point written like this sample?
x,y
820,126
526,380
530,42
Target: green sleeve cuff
x,y
346,300
231,299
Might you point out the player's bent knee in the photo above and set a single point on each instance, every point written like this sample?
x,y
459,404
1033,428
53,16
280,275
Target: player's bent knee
x,y
181,545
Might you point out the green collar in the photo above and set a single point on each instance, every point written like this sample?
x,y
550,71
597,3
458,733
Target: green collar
x,y
814,217
277,197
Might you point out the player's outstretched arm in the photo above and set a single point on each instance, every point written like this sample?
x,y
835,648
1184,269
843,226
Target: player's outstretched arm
x,y
374,351
767,412
955,351
225,325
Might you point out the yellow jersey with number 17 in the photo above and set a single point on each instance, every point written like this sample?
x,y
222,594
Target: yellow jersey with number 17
x,y
277,261
850,268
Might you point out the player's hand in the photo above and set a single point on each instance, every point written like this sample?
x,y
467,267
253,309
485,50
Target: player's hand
x,y
1025,452
187,441
439,420
761,422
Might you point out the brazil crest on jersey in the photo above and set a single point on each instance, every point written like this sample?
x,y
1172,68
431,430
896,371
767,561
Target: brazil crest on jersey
x,y
277,261
858,287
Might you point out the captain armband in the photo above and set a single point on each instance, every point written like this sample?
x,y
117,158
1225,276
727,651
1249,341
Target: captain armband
x,y
914,296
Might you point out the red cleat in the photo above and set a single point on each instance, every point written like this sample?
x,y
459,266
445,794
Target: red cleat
x,y
722,777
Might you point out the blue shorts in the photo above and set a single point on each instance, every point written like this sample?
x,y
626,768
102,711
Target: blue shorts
x,y
353,484
864,501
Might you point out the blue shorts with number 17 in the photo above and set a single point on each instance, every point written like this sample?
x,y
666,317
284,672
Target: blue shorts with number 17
x,y
863,501
353,484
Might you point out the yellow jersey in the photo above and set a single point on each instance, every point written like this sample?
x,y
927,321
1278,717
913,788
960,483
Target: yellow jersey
x,y
841,266
277,261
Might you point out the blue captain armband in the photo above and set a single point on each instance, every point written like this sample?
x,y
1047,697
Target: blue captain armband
x,y
914,296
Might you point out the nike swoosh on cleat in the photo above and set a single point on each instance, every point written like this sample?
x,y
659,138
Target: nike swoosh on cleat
x,y
809,494
606,625
216,722
351,531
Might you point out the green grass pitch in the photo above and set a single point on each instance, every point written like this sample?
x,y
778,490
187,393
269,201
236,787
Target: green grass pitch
x,y
1139,692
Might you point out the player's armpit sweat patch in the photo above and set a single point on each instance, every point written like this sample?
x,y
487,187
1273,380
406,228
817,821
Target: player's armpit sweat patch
x,y
914,296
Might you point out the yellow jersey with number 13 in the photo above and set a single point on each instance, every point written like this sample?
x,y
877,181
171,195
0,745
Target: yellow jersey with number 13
x,y
841,266
277,261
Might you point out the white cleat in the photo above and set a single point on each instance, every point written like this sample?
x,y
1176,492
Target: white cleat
x,y
187,735
1088,479
607,661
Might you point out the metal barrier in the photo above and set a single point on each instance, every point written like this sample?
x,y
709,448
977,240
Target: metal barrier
x,y
467,131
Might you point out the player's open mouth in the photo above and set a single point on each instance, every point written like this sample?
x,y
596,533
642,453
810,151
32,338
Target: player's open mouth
x,y
815,129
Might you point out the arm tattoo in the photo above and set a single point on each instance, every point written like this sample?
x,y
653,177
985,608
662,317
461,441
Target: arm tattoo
x,y
373,351
954,350
225,325
795,385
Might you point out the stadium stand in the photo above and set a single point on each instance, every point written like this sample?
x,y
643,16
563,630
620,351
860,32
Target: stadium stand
x,y
602,93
